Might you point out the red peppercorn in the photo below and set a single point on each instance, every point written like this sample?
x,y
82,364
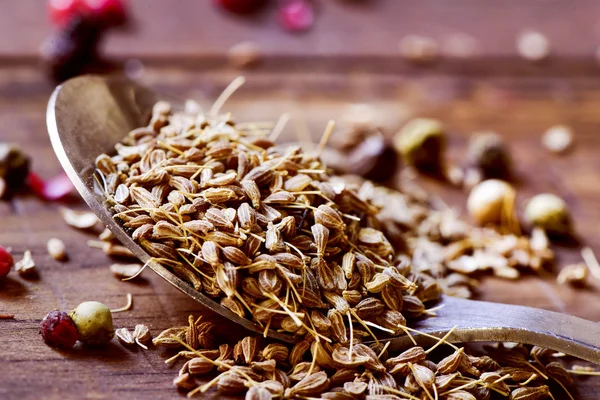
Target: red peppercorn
x,y
59,330
241,6
35,183
110,12
52,189
6,262
58,187
296,15
62,11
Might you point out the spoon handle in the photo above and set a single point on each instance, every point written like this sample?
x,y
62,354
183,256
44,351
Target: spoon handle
x,y
480,321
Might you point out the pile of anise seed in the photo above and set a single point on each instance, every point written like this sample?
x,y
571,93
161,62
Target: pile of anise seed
x,y
316,369
271,234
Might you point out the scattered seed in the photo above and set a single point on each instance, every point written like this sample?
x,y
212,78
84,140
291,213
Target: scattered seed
x,y
126,270
419,49
244,54
26,266
57,249
558,139
124,336
142,336
79,219
575,274
549,212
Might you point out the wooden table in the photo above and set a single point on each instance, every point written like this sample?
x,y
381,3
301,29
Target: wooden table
x,y
350,56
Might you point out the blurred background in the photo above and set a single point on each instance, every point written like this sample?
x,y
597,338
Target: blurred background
x,y
515,68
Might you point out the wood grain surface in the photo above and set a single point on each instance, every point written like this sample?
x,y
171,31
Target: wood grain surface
x,y
183,45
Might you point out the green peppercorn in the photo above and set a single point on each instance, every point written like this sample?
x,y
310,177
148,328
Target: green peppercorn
x,y
14,164
549,212
94,322
488,153
490,200
421,142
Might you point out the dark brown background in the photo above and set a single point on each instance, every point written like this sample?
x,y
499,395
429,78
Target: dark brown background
x,y
349,56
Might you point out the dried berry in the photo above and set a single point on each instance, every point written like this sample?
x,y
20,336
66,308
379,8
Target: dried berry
x,y
69,51
241,6
488,153
94,322
14,164
61,11
6,262
371,158
59,330
421,143
490,201
51,189
296,15
549,212
109,12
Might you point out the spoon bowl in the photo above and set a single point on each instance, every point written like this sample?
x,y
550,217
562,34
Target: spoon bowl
x,y
88,115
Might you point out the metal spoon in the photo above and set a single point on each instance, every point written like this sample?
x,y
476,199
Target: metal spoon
x,y
88,115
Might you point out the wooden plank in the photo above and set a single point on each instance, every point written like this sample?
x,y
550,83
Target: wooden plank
x,y
189,28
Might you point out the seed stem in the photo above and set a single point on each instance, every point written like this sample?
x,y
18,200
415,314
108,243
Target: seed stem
x,y
127,307
143,346
443,340
281,123
591,262
531,378
537,370
137,273
325,137
385,346
588,373
364,324
429,336
226,94
565,389
381,328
